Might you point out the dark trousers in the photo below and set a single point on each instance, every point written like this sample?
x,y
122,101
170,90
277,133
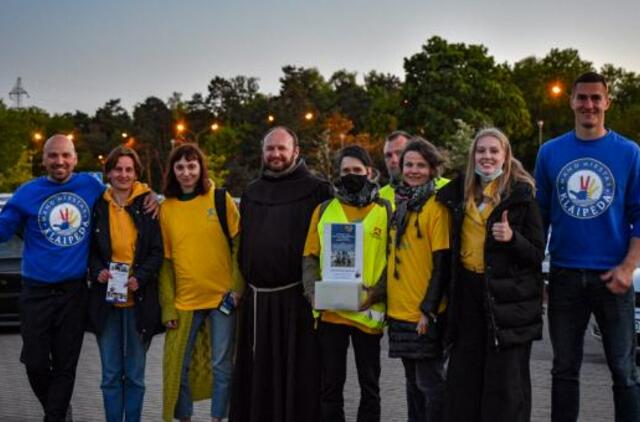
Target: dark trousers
x,y
334,341
52,327
484,384
425,389
573,296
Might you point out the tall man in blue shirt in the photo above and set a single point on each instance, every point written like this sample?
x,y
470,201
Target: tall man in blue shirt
x,y
588,184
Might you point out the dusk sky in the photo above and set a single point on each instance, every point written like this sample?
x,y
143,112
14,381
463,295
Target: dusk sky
x,y
77,54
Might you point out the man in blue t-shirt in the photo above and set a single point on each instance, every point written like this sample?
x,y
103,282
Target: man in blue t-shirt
x,y
54,212
588,187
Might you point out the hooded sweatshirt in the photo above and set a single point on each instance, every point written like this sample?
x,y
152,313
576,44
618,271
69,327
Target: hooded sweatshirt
x,y
122,230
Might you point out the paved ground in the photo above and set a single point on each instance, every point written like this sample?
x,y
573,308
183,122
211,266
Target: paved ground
x,y
18,404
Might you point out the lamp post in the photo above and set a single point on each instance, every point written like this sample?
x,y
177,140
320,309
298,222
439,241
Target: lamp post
x,y
540,125
181,129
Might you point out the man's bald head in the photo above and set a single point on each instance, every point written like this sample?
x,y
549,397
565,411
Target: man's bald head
x,y
280,149
57,140
59,158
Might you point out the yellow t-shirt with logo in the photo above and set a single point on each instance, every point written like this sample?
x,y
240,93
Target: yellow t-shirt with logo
x,y
474,230
312,248
198,249
412,260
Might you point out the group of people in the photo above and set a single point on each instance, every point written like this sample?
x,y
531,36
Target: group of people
x,y
452,268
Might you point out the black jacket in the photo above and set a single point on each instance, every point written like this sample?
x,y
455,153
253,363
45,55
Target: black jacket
x,y
146,264
513,274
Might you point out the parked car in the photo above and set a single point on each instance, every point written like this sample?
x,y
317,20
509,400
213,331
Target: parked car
x,y
10,262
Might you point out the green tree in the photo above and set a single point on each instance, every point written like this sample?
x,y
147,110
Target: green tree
x,y
536,78
445,82
98,135
152,123
18,173
624,112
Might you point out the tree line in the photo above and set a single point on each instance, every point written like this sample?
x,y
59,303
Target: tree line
x,y
449,91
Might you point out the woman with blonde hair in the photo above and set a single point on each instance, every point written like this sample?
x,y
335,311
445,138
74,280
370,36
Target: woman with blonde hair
x,y
495,309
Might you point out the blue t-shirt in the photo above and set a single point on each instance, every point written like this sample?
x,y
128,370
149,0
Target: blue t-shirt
x,y
57,226
589,193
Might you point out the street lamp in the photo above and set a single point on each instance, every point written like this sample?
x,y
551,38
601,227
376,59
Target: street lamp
x,y
271,118
124,135
556,89
540,124
181,129
37,137
308,116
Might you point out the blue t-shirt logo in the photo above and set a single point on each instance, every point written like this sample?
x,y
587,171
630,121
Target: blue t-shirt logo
x,y
64,219
586,188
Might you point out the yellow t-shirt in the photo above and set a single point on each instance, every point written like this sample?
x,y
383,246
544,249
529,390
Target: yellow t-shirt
x,y
122,231
197,247
474,230
312,248
412,260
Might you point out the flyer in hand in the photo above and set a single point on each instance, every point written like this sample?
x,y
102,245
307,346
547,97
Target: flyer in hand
x,y
117,286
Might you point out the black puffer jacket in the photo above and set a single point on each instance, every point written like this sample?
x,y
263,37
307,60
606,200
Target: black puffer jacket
x,y
146,264
513,274
404,341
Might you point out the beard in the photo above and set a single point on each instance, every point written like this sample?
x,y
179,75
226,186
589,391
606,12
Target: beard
x,y
282,166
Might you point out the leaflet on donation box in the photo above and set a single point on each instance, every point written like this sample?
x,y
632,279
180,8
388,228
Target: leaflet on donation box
x,y
342,262
117,286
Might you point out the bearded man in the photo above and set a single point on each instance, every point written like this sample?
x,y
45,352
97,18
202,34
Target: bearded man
x,y
277,367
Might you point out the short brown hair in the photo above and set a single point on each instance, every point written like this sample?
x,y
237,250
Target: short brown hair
x,y
590,77
190,152
122,151
428,151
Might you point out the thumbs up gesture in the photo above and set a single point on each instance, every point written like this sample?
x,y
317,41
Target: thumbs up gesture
x,y
502,231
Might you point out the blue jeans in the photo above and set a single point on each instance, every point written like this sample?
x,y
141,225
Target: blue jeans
x,y
573,295
425,389
123,356
222,334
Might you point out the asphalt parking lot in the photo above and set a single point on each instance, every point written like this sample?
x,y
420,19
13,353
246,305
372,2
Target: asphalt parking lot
x,y
18,404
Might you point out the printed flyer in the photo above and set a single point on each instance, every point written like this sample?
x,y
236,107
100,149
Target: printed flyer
x,y
342,254
117,287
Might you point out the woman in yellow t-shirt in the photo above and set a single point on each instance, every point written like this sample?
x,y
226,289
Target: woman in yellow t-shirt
x,y
416,277
197,288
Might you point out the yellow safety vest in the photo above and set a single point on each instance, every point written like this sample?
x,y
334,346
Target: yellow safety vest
x,y
375,233
389,193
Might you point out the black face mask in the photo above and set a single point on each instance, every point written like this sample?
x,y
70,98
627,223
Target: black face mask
x,y
353,183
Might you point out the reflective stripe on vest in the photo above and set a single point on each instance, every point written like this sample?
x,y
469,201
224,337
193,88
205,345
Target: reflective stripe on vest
x,y
374,251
